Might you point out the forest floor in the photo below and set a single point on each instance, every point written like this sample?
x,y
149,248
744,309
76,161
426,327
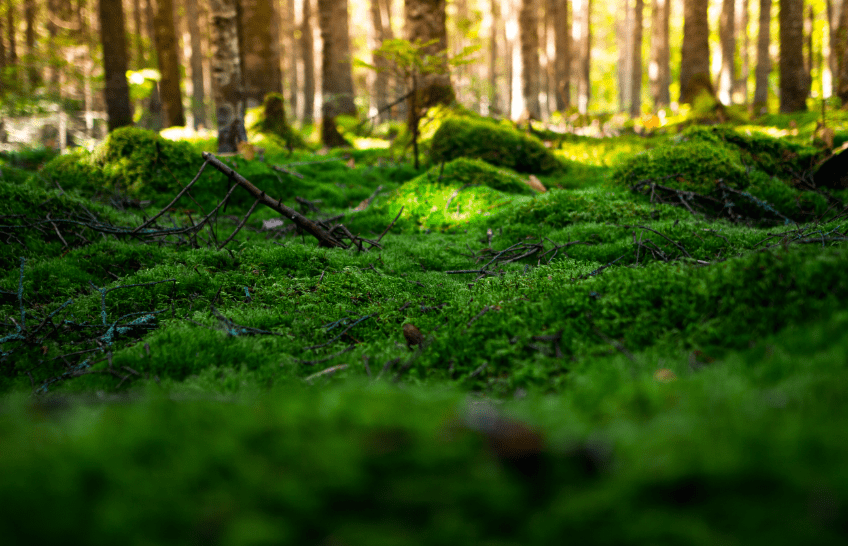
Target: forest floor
x,y
494,365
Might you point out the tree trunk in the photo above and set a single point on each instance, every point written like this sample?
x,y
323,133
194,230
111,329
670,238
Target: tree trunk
x,y
380,92
152,119
695,53
794,79
636,60
307,48
2,59
659,72
198,94
336,75
840,54
727,37
294,56
114,42
226,74
494,95
260,54
33,75
165,38
425,21
740,84
10,33
582,35
528,25
138,32
562,53
761,73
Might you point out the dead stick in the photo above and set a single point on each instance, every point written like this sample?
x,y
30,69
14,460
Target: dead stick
x,y
324,238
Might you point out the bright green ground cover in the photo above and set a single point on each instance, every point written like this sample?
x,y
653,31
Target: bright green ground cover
x,y
689,395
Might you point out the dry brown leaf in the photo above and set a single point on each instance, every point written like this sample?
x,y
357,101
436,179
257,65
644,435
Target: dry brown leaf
x,y
246,150
536,184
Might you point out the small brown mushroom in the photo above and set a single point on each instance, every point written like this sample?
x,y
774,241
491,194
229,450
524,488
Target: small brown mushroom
x,y
412,335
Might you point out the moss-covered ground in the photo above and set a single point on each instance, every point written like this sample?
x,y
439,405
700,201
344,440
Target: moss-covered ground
x,y
611,361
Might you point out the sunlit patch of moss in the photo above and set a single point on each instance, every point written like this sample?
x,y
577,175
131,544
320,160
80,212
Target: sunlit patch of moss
x,y
493,143
446,196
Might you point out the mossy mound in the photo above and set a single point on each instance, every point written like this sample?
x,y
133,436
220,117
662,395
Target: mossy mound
x,y
705,159
493,143
272,121
133,161
445,196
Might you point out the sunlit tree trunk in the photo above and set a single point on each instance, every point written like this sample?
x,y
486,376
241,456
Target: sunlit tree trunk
x,y
152,118
12,55
2,58
528,24
636,60
562,53
226,74
425,21
695,53
840,53
307,49
582,36
494,83
380,91
336,75
198,94
291,47
760,105
165,38
740,84
727,37
260,53
624,42
114,42
659,73
138,32
794,78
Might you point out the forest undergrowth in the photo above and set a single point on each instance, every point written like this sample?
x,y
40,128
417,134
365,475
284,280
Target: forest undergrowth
x,y
650,351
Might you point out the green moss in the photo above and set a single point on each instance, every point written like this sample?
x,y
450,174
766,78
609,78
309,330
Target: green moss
x,y
493,143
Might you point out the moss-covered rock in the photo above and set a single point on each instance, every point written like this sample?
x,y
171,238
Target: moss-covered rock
x,y
493,143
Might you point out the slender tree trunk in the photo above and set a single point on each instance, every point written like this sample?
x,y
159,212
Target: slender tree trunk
x,y
528,24
494,95
763,69
2,59
740,84
794,79
380,92
293,58
582,35
336,75
138,32
114,42
198,94
260,54
840,52
624,32
562,53
226,74
307,49
695,53
727,37
659,72
165,38
10,33
425,21
33,73
636,61
152,118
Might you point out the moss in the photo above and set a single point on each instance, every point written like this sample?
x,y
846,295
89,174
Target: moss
x,y
493,143
272,121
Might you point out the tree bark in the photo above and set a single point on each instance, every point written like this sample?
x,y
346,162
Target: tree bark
x,y
636,60
840,54
260,53
695,53
727,37
659,70
138,32
198,93
425,21
582,34
226,74
380,92
528,25
494,95
562,53
165,37
740,84
293,57
307,48
114,40
33,75
336,75
763,68
10,33
2,59
794,78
